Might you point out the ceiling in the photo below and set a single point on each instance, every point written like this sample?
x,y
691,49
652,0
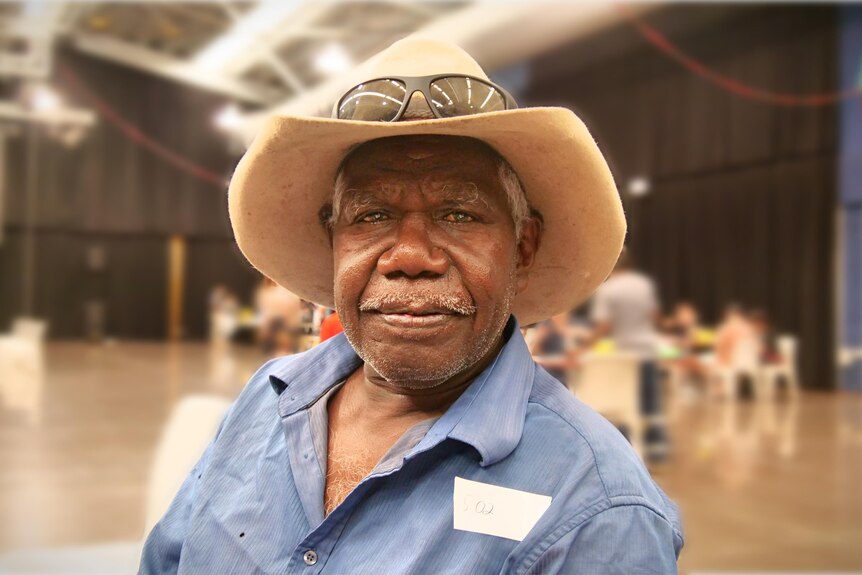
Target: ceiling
x,y
288,56
257,52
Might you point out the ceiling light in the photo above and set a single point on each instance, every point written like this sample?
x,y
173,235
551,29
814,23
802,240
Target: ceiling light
x,y
44,99
228,118
332,60
639,186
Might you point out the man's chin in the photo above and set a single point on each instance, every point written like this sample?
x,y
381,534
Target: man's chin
x,y
414,377
422,365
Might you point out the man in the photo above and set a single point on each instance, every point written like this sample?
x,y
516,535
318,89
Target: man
x,y
626,308
425,439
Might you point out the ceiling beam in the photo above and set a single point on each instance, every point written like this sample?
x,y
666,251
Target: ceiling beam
x,y
267,52
295,23
60,117
178,70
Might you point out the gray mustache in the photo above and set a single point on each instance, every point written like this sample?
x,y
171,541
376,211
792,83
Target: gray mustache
x,y
454,303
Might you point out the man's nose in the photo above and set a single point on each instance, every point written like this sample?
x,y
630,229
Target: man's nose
x,y
414,253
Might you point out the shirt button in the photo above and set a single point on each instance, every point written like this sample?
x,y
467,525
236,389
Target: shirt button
x,y
310,557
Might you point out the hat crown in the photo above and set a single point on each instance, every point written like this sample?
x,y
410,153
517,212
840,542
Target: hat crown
x,y
424,57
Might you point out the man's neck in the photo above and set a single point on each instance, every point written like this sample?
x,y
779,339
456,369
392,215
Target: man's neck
x,y
368,414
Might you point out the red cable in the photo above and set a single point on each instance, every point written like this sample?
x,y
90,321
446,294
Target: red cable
x,y
664,45
136,135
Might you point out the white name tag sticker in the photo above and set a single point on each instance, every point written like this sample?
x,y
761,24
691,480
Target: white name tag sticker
x,y
498,511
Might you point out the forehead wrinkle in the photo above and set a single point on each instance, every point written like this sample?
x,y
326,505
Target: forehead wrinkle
x,y
457,193
445,191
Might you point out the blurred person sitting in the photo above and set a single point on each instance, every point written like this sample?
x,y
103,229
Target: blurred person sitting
x,y
223,319
550,346
684,333
733,333
626,309
737,352
223,309
683,325
767,336
279,318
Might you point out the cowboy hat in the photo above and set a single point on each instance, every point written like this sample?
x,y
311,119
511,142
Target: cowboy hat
x,y
288,174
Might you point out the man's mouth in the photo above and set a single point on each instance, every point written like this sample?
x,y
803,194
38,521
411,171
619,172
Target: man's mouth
x,y
413,310
415,318
414,314
409,307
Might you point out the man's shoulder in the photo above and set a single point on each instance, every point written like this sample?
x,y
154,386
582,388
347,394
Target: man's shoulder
x,y
591,457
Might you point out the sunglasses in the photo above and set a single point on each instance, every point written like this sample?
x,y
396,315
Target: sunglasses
x,y
448,95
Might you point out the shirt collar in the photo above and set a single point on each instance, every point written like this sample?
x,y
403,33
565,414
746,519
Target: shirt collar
x,y
489,415
303,379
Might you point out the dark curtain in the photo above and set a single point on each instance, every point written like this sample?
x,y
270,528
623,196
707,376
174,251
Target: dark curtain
x,y
742,193
130,281
111,196
109,183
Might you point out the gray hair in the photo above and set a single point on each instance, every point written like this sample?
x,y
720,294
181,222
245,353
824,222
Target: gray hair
x,y
515,196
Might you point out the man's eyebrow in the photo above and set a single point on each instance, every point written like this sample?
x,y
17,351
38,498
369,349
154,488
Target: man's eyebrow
x,y
353,200
464,193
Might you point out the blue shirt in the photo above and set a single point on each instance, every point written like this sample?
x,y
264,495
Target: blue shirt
x,y
254,502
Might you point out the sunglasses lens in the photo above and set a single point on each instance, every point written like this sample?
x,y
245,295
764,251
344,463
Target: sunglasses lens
x,y
458,96
375,101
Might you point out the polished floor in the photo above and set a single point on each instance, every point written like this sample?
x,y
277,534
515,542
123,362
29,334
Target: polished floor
x,y
773,486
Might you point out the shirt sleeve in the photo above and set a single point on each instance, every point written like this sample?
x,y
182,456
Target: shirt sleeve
x,y
623,540
163,546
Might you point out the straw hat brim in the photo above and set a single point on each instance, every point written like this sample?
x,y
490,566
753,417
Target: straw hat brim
x,y
288,173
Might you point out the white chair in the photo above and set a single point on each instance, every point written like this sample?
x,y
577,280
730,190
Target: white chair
x,y
610,384
771,373
30,329
189,430
22,367
744,361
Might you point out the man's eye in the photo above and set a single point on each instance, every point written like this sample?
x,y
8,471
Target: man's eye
x,y
373,217
458,217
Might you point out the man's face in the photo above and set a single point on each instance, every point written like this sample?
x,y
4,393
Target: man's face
x,y
426,259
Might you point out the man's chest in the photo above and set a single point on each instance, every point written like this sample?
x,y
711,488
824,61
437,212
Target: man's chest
x,y
400,522
348,462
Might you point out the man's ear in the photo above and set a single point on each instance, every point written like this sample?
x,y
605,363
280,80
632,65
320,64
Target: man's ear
x,y
528,245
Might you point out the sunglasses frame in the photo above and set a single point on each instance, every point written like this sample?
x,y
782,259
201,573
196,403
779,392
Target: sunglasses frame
x,y
413,84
